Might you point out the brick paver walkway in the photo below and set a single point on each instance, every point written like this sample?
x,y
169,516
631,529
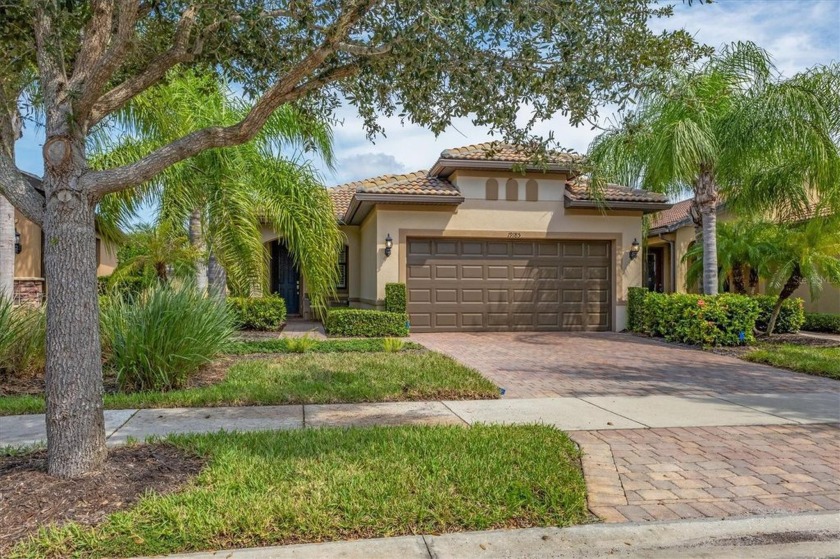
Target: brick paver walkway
x,y
668,474
540,365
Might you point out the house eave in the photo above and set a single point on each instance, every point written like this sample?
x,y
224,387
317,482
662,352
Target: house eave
x,y
445,167
362,203
644,207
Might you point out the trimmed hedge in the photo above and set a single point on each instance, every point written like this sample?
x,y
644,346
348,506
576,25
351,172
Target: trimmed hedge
x,y
365,323
259,313
395,297
791,316
719,320
635,308
822,322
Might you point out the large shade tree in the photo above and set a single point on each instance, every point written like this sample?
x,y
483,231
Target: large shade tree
x,y
225,195
734,128
428,61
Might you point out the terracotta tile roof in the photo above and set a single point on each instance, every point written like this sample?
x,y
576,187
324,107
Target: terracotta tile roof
x,y
495,151
673,218
418,182
578,189
341,197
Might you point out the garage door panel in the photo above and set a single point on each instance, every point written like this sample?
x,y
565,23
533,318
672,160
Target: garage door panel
x,y
446,271
419,272
508,285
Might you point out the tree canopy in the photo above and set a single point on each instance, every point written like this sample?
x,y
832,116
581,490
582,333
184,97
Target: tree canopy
x,y
426,61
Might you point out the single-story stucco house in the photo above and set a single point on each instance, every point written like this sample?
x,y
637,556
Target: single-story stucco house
x,y
485,241
672,232
29,281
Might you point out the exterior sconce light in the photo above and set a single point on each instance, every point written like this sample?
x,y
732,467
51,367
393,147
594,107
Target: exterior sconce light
x,y
18,246
634,249
389,244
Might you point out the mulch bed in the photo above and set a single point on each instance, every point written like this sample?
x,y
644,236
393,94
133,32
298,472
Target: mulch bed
x,y
29,498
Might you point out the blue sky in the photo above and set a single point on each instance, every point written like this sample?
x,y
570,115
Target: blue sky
x,y
797,33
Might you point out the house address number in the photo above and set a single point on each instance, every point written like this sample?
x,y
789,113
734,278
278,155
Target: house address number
x,y
514,235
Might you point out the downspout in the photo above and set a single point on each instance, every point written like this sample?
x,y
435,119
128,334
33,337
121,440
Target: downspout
x,y
673,257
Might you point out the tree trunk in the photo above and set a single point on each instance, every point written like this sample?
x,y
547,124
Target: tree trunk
x,y
217,278
738,284
7,249
75,421
792,284
197,241
705,194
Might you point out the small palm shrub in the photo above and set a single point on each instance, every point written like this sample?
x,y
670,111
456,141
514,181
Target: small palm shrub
x,y
157,340
300,345
22,338
393,345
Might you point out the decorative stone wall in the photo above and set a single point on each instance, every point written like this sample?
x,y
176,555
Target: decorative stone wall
x,y
29,291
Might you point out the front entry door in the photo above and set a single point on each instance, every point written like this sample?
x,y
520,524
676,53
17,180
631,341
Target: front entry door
x,y
286,277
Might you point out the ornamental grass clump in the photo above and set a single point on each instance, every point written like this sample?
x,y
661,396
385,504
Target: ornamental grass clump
x,y
159,339
22,338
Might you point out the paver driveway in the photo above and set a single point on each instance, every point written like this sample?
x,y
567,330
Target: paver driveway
x,y
706,467
553,364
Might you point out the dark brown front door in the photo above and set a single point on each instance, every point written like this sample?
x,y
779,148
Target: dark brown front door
x,y
496,285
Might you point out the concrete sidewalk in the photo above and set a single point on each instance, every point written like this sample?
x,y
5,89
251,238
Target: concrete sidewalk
x,y
805,535
568,414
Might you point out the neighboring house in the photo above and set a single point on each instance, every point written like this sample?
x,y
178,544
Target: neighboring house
x,y
483,247
29,262
672,232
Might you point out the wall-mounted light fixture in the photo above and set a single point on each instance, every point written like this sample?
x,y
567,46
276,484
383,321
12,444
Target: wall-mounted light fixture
x,y
389,244
18,246
634,249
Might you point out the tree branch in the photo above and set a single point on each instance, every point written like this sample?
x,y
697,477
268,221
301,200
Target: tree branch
x,y
20,192
96,66
364,50
100,183
154,72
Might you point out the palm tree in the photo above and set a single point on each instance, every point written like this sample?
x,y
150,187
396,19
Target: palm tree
x,y
714,130
800,253
7,249
226,195
156,252
741,245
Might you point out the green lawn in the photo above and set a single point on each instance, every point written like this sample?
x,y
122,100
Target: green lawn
x,y
281,345
310,378
820,361
327,484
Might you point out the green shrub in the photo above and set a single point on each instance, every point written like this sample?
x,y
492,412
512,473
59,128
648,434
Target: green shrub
x,y
395,297
636,308
791,316
259,313
22,338
822,322
365,323
157,340
300,345
725,319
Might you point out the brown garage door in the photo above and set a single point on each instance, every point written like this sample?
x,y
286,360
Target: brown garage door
x,y
477,284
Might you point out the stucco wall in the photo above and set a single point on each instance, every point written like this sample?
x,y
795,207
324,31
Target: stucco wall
x,y
353,241
28,262
476,217
827,302
107,259
370,260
